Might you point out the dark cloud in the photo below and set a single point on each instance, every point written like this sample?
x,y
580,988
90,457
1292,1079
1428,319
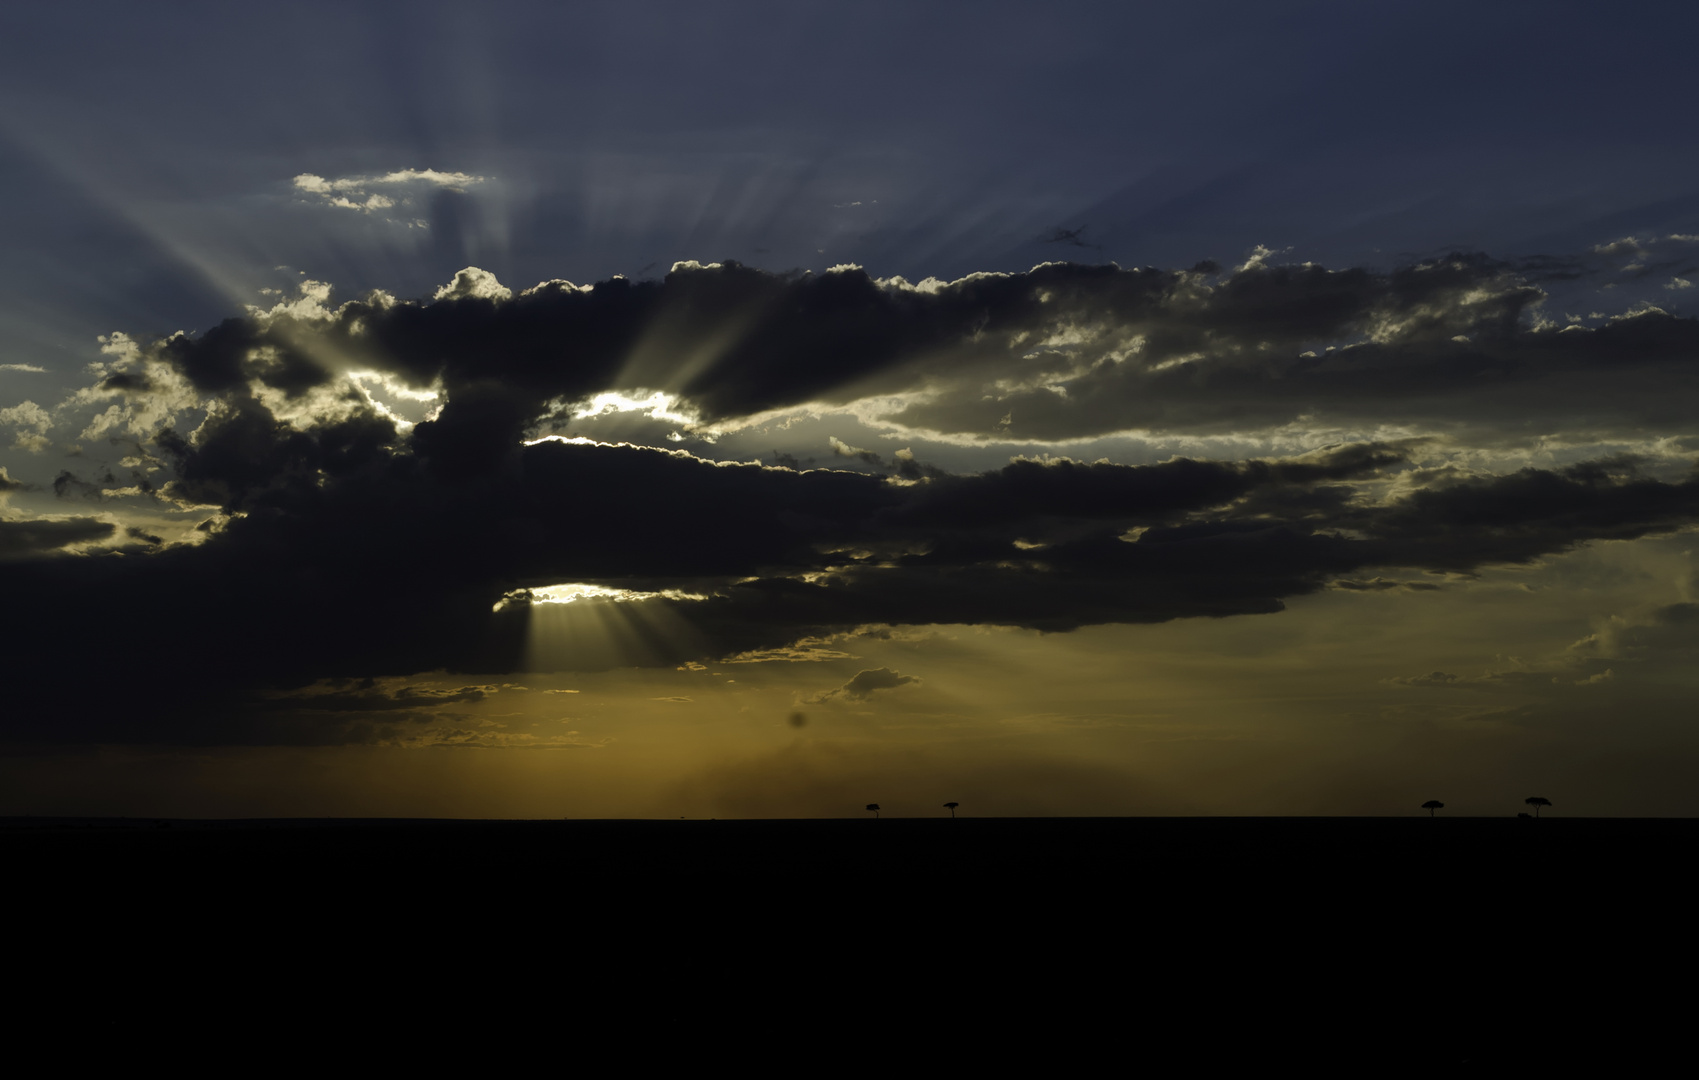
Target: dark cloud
x,y
19,538
246,451
1515,518
1062,351
1556,682
866,682
1380,584
1432,678
393,567
68,485
902,463
367,697
127,382
863,686
1546,377
347,546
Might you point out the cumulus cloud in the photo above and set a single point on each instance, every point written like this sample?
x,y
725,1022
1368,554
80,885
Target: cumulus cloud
x,y
31,368
474,284
843,449
903,462
1667,634
1060,352
136,390
864,685
32,423
383,192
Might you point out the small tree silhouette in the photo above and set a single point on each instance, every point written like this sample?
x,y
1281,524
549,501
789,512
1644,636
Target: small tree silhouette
x,y
873,806
1431,805
1536,802
951,807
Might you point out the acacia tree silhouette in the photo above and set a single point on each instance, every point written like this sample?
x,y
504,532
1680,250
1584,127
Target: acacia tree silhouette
x,y
951,806
1431,805
873,806
1536,802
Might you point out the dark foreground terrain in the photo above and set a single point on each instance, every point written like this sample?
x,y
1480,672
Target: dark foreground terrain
x,y
1361,944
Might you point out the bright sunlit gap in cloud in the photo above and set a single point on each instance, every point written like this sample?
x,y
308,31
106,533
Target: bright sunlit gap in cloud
x,y
393,398
394,386
596,627
572,591
657,406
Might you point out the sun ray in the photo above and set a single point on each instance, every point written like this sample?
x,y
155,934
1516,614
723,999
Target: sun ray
x,y
587,626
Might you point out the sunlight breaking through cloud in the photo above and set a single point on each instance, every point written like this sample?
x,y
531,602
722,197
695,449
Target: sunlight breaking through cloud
x,y
572,592
657,406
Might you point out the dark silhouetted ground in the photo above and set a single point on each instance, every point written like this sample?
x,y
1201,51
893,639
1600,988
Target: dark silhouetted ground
x,y
1324,943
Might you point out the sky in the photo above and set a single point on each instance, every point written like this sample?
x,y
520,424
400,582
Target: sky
x,y
762,410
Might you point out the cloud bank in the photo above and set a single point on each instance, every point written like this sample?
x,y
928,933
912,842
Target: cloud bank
x,y
341,538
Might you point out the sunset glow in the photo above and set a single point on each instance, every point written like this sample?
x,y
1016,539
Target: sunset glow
x,y
1240,410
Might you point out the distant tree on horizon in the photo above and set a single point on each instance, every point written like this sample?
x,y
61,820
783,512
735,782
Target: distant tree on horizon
x,y
873,806
1431,805
1536,802
951,806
